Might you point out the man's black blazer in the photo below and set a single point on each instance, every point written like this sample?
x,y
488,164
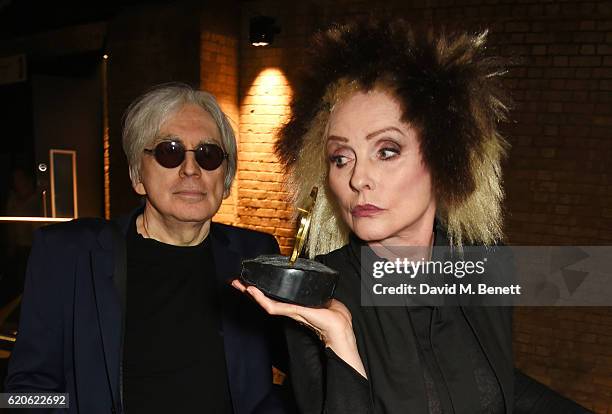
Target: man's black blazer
x,y
70,335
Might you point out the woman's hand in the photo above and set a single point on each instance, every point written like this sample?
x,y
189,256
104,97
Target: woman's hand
x,y
331,323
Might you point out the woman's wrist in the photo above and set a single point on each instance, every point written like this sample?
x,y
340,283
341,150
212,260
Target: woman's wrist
x,y
344,346
341,338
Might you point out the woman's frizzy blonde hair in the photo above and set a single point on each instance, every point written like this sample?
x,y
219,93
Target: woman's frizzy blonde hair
x,y
447,88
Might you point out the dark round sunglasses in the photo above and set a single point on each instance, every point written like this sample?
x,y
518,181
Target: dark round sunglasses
x,y
171,154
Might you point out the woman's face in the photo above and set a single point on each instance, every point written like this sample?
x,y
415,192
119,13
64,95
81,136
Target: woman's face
x,y
376,170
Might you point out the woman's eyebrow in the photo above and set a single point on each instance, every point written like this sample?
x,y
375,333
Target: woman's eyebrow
x,y
380,131
337,138
369,136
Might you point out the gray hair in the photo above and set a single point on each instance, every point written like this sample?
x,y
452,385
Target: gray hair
x,y
145,116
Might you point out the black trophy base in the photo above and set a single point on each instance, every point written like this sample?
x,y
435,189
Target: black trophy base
x,y
306,283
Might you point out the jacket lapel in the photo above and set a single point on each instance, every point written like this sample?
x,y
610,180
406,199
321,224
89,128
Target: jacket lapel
x,y
227,267
108,307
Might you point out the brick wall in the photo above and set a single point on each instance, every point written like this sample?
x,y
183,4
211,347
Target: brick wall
x,y
262,203
219,38
559,190
569,350
265,92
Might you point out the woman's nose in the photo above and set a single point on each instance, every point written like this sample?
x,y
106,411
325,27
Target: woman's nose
x,y
361,176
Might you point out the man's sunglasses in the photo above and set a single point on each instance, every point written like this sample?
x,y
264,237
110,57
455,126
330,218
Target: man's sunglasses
x,y
171,154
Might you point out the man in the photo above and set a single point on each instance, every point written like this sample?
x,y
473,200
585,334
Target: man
x,y
136,315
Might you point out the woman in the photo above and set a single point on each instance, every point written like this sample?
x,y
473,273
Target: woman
x,y
399,127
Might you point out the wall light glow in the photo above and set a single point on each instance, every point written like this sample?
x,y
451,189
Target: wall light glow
x,y
270,92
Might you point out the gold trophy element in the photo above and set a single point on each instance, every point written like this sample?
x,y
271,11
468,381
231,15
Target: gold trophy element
x,y
293,279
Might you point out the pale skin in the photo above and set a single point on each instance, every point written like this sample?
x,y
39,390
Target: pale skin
x,y
180,202
385,196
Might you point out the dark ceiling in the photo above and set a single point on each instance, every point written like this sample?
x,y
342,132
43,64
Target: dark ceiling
x,y
20,18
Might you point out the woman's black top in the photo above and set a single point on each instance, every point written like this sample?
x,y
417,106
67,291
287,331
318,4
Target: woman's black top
x,y
174,360
417,359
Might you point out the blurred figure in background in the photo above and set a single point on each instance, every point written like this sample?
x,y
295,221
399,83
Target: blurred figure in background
x,y
23,201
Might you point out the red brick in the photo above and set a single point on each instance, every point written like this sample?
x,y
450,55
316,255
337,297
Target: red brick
x,y
578,61
604,50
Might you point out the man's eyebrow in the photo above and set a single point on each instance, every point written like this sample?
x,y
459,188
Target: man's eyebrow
x,y
168,137
210,140
173,137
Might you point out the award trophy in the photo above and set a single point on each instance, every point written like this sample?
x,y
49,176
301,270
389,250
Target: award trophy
x,y
292,279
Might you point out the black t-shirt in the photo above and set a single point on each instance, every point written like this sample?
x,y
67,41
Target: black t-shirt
x,y
174,360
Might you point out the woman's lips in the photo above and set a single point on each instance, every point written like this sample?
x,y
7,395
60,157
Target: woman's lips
x,y
365,210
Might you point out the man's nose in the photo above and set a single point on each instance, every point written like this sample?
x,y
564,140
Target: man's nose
x,y
190,166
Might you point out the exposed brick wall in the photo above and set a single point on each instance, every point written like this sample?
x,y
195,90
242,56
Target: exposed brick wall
x,y
219,75
558,184
262,202
568,349
559,189
265,92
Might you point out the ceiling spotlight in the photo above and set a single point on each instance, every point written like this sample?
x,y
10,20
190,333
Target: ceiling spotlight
x,y
262,30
